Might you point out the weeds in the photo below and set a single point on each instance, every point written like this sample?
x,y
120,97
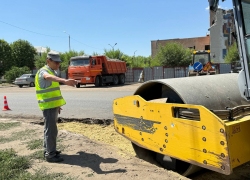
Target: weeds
x,y
6,126
37,155
35,144
21,135
13,167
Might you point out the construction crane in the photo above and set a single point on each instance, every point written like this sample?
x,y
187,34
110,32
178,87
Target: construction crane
x,y
186,124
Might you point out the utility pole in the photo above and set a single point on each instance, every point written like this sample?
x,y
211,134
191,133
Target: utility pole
x,y
69,39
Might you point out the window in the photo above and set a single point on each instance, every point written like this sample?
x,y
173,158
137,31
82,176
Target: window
x,y
202,58
207,47
93,62
79,62
25,76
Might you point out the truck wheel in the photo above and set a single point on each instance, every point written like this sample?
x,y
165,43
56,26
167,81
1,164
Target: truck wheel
x,y
122,79
20,86
78,85
97,81
100,82
116,80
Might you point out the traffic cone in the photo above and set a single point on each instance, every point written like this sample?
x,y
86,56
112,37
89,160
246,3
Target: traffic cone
x,y
6,107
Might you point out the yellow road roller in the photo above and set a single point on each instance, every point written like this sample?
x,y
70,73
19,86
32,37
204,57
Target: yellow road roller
x,y
166,126
186,124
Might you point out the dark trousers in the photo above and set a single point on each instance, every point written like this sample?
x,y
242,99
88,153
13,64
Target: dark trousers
x,y
50,131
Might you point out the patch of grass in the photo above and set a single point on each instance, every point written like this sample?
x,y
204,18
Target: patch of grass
x,y
37,155
13,167
35,144
4,140
21,135
90,175
6,126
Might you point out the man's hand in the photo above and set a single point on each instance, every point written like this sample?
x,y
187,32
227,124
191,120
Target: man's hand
x,y
71,82
59,110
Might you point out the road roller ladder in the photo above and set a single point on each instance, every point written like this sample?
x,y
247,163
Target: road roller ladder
x,y
189,133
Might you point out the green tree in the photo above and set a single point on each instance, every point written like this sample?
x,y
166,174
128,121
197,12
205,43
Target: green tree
x,y
95,54
16,72
173,54
141,61
23,53
5,57
232,55
113,54
40,61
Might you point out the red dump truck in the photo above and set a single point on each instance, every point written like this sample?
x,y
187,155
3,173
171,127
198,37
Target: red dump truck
x,y
97,70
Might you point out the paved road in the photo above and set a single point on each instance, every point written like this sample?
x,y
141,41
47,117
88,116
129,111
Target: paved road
x,y
81,103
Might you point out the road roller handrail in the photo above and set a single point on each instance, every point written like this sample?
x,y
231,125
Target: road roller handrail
x,y
231,114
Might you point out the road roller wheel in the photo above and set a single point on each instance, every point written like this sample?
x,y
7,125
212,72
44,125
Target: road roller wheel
x,y
165,161
146,155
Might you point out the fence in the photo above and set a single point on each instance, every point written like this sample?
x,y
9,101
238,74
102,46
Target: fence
x,y
162,72
158,72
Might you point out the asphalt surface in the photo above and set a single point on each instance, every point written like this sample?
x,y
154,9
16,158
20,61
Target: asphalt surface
x,y
87,102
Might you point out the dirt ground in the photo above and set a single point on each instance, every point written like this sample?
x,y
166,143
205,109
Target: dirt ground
x,y
85,157
98,152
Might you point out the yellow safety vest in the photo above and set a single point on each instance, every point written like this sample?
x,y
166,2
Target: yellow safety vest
x,y
50,97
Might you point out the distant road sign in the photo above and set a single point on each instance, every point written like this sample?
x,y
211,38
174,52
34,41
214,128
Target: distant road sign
x,y
198,66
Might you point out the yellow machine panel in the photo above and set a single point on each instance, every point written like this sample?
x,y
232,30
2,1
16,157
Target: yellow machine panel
x,y
204,140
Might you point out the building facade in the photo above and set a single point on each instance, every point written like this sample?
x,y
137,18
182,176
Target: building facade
x,y
221,27
197,43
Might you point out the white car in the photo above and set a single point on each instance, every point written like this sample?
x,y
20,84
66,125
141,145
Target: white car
x,y
25,80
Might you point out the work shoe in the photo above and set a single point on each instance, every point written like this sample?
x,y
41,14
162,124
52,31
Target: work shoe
x,y
56,158
57,153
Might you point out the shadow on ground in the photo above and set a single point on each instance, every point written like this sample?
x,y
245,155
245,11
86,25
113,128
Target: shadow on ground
x,y
92,161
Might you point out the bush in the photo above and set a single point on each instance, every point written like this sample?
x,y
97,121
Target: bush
x,y
16,72
232,55
173,54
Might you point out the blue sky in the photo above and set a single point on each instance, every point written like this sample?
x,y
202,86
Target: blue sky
x,y
93,24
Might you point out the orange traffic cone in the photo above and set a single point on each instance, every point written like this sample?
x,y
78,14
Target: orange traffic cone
x,y
6,107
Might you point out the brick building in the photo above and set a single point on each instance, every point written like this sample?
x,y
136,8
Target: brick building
x,y
197,43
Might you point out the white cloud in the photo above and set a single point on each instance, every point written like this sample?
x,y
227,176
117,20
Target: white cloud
x,y
226,8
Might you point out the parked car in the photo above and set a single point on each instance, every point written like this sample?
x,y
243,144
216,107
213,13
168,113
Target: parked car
x,y
25,80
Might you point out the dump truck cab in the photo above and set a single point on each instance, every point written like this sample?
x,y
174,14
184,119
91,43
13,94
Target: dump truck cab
x,y
201,64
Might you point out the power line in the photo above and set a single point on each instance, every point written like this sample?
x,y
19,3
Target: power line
x,y
29,30
46,34
85,44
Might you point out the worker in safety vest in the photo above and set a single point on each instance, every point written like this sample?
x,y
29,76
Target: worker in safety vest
x,y
50,101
